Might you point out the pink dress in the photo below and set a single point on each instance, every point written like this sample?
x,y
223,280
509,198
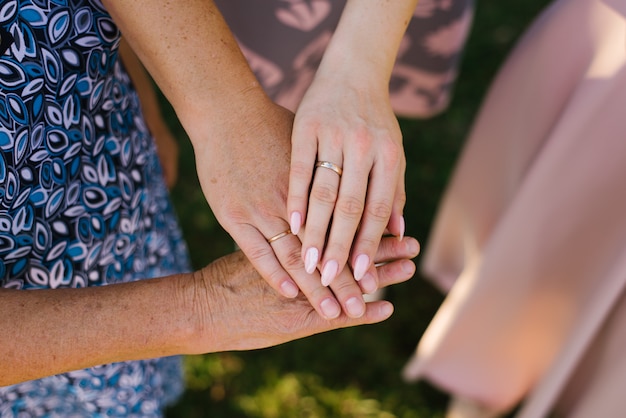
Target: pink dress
x,y
530,239
284,41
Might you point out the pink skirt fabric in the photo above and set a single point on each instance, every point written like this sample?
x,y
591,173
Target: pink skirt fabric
x,y
530,238
284,41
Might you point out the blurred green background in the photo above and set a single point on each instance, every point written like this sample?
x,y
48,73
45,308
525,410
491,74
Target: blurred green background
x,y
353,372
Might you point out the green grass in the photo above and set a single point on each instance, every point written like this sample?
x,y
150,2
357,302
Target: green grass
x,y
352,372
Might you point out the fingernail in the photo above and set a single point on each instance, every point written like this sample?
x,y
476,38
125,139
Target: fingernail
x,y
414,246
355,307
330,308
386,310
289,289
408,267
402,226
368,284
311,257
295,222
360,266
329,272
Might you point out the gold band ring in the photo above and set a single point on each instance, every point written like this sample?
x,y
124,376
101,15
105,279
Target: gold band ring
x,y
330,166
279,236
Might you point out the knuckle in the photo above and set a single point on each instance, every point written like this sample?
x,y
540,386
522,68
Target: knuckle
x,y
257,253
383,275
335,138
368,243
392,152
292,260
324,193
305,122
350,207
301,170
380,211
345,288
265,210
363,143
317,294
231,216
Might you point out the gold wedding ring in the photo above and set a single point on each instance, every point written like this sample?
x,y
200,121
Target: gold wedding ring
x,y
330,166
279,236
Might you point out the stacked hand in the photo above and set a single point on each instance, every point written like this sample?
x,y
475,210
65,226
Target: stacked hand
x,y
244,177
238,310
225,306
355,191
243,149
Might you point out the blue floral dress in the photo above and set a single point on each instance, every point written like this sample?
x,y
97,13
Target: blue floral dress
x,y
82,196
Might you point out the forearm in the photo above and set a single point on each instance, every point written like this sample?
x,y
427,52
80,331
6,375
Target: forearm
x,y
191,54
46,332
224,306
366,42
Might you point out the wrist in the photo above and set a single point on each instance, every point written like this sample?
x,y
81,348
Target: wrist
x,y
214,321
368,36
207,327
357,68
194,316
210,121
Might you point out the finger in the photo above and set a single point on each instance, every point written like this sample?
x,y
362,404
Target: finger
x,y
391,248
375,312
369,282
396,224
262,256
280,264
321,298
378,209
304,150
346,218
349,294
321,205
395,272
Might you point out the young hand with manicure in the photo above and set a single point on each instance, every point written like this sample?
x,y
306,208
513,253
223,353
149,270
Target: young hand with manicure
x,y
345,121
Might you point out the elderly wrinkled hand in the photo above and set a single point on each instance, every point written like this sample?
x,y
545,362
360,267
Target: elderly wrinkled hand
x,y
240,311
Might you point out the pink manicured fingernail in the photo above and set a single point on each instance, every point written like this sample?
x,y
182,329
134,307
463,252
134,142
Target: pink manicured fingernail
x,y
402,226
311,257
330,271
330,308
360,266
355,307
289,289
295,222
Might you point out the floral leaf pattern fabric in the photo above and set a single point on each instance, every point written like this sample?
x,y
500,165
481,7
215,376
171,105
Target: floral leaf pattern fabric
x,y
82,196
284,41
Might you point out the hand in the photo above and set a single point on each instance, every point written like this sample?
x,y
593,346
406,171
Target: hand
x,y
225,306
237,310
244,176
350,123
